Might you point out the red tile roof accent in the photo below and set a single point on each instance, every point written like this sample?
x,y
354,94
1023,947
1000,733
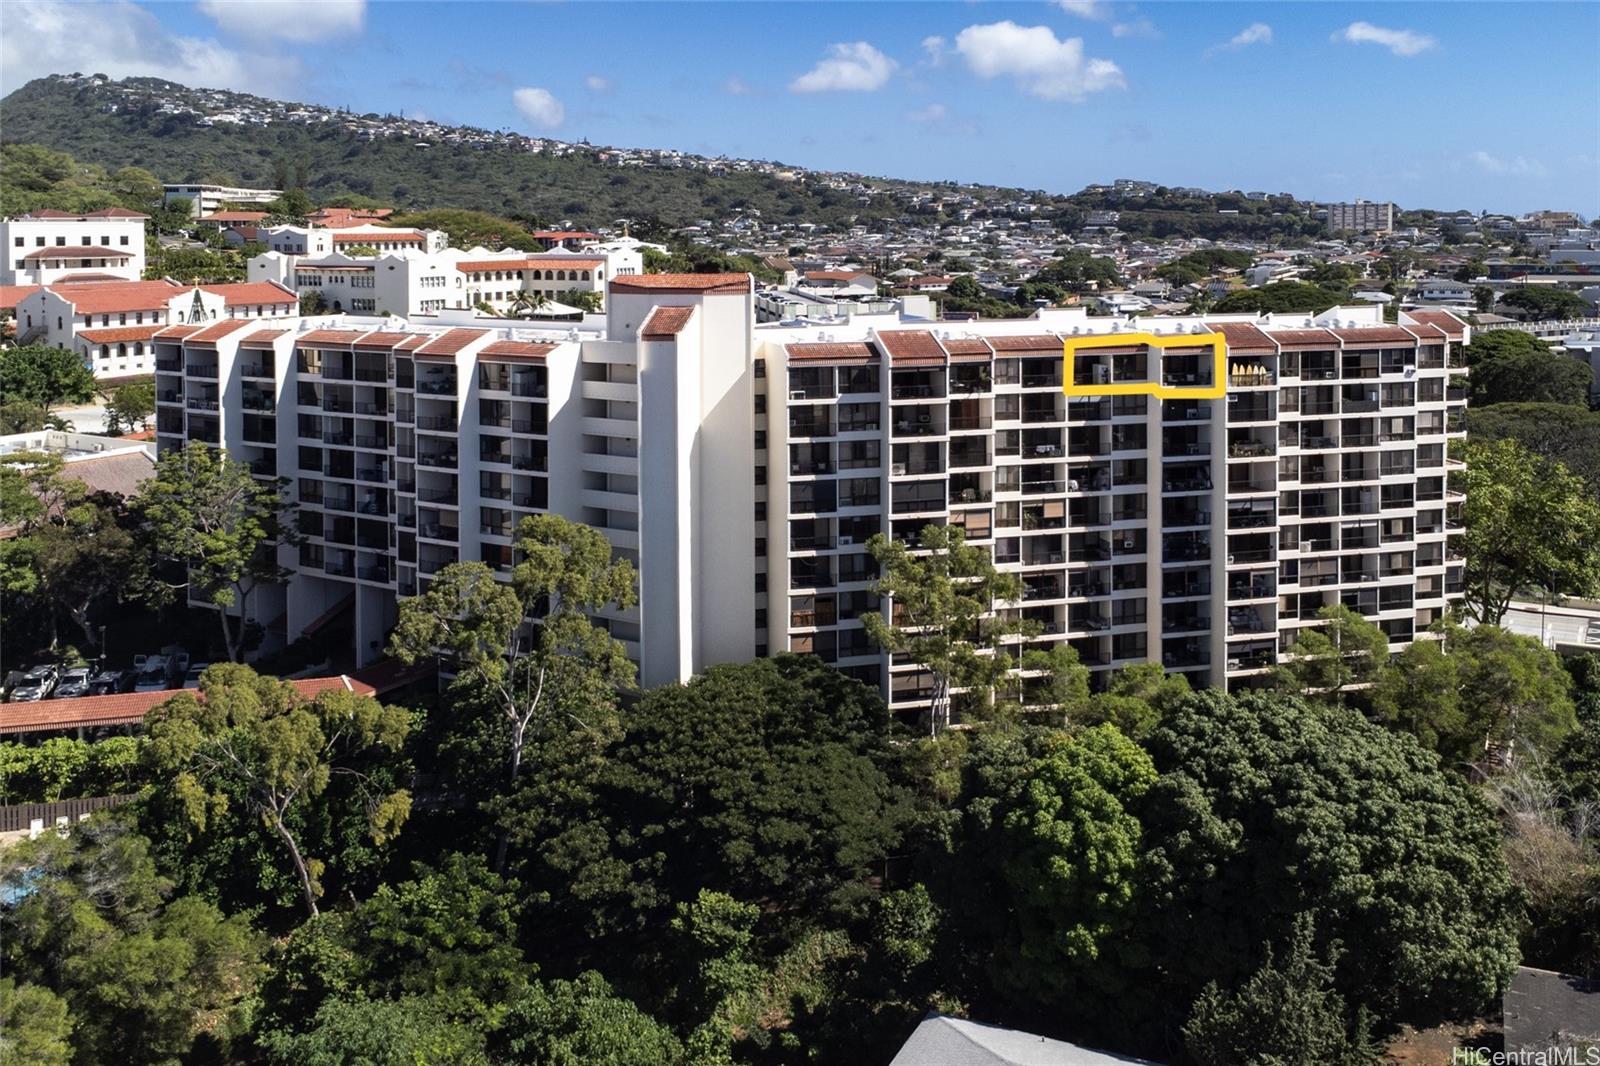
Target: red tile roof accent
x,y
234,216
697,283
966,346
416,340
517,350
830,352
79,251
451,342
176,333
84,277
1305,338
1031,342
478,266
381,339
118,334
404,236
253,292
1444,320
927,281
1374,336
12,295
130,708
665,323
105,297
563,234
263,338
330,337
906,344
104,212
217,330
1243,336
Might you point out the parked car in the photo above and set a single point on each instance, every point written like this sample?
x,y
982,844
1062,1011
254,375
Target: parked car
x,y
73,683
191,679
156,672
36,684
110,679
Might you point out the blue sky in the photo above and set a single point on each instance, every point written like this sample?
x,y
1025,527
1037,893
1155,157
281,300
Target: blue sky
x,y
1451,105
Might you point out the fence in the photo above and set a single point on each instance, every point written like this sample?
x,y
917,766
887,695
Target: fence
x,y
18,817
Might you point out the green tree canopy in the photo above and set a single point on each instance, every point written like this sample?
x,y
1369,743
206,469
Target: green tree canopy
x,y
1282,297
1529,524
1556,432
1547,303
131,407
1509,366
940,598
1299,808
208,514
256,741
1342,651
47,377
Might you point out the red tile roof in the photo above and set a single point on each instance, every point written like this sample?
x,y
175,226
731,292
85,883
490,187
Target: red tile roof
x,y
696,283
83,277
1444,320
405,236
12,295
478,266
665,323
1305,338
130,708
1374,335
831,352
104,212
1243,336
451,342
331,337
253,292
234,216
563,234
910,344
966,346
517,350
106,297
79,251
263,338
118,334
416,340
1035,342
174,333
217,330
381,339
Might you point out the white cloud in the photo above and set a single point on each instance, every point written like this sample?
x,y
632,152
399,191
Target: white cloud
x,y
301,21
924,115
1400,42
1517,166
855,67
737,87
1139,27
1255,33
597,84
1094,10
934,47
539,107
1041,63
119,39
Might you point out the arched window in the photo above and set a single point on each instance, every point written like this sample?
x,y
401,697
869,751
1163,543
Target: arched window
x,y
105,351
585,275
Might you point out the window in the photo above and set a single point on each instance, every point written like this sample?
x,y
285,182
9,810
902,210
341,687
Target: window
x,y
761,368
19,242
761,403
761,510
61,242
761,546
761,439
124,241
38,242
761,475
761,618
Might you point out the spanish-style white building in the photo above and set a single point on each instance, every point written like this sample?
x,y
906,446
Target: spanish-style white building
x,y
111,324
206,199
45,247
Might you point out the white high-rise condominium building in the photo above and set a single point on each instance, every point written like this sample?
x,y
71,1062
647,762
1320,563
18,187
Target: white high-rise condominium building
x,y
743,467
1363,216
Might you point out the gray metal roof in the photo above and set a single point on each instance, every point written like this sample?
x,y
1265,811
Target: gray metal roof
x,y
945,1041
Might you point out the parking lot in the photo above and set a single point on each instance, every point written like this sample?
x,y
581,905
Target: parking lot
x,y
171,668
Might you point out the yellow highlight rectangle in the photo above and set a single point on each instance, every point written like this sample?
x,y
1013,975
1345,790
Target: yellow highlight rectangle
x,y
1070,346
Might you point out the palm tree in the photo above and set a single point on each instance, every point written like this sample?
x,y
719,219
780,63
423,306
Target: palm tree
x,y
527,303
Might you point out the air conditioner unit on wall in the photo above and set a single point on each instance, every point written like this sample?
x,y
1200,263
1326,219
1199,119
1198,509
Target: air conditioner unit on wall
x,y
846,538
797,394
